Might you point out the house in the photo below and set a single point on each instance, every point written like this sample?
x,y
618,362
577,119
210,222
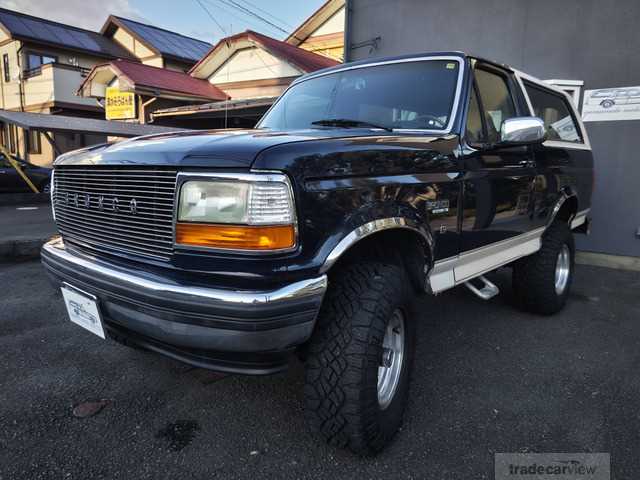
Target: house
x,y
52,68
153,45
251,68
43,62
322,32
154,87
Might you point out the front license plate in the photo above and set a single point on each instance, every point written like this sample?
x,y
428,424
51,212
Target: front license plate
x,y
83,309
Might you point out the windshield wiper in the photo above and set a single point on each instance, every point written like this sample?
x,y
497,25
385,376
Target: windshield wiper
x,y
346,122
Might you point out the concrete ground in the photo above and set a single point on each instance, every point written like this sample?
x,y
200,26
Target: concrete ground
x,y
487,379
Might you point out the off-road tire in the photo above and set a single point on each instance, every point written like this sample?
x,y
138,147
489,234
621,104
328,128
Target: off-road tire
x,y
344,355
534,276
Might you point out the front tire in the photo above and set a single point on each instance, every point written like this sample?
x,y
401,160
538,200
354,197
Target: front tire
x,y
542,281
359,359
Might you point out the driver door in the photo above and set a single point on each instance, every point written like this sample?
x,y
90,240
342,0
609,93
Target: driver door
x,y
499,185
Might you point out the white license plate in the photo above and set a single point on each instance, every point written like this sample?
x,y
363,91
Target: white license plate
x,y
83,309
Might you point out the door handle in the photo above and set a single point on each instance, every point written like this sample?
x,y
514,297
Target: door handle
x,y
527,163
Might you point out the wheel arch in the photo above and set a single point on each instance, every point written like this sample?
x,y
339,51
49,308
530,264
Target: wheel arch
x,y
403,240
565,208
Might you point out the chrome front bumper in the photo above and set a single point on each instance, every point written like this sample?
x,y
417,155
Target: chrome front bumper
x,y
207,326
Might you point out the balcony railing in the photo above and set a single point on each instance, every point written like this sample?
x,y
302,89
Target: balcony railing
x,y
34,72
53,83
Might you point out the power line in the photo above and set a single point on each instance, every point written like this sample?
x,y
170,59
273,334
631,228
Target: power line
x,y
234,15
278,19
237,6
224,32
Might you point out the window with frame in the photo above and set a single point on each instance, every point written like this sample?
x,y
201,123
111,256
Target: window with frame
x,y
474,129
35,60
496,101
33,141
5,67
554,110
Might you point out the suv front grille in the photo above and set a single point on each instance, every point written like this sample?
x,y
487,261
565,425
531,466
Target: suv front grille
x,y
127,210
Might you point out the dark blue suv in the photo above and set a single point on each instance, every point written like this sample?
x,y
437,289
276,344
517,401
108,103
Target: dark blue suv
x,y
363,186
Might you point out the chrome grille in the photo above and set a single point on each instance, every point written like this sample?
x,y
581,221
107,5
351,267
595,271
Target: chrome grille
x,y
118,210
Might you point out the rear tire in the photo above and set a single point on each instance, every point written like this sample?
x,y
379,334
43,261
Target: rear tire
x,y
351,397
542,281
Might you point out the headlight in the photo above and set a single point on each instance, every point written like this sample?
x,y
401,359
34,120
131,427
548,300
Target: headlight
x,y
237,213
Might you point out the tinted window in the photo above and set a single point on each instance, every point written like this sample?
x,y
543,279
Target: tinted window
x,y
554,111
413,95
496,102
474,120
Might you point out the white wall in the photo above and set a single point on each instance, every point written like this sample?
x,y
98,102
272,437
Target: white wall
x,y
252,64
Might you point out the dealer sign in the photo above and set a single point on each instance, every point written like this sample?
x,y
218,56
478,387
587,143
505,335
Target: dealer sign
x,y
119,105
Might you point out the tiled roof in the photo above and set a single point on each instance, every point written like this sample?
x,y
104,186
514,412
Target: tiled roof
x,y
303,59
26,27
165,42
163,79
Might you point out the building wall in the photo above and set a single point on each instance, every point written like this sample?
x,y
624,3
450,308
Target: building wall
x,y
53,83
328,39
154,61
10,91
252,64
237,92
129,42
588,40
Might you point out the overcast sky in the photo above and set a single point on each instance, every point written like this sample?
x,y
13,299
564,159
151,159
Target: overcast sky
x,y
184,16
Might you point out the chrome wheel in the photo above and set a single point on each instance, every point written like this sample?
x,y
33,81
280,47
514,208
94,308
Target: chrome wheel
x,y
563,268
390,367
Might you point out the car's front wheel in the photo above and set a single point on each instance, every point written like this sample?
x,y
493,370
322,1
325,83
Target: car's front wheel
x,y
542,281
359,360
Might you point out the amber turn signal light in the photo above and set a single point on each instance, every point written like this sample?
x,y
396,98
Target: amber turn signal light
x,y
242,237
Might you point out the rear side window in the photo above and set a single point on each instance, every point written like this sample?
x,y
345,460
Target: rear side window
x,y
554,110
496,101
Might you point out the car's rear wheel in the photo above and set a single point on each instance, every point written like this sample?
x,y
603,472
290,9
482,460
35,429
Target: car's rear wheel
x,y
359,359
542,281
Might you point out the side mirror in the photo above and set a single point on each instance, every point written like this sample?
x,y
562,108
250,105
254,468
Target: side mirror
x,y
522,131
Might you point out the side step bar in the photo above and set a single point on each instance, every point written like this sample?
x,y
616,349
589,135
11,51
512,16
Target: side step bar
x,y
487,291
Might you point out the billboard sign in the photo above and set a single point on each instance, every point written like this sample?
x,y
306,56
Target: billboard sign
x,y
119,105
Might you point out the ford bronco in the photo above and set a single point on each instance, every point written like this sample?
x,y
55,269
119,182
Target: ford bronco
x,y
363,186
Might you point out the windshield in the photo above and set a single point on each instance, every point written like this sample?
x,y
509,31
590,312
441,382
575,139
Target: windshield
x,y
409,95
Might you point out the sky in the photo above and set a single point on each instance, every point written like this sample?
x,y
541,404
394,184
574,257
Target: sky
x,y
189,17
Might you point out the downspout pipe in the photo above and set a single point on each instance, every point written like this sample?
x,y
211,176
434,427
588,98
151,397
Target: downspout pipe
x,y
348,14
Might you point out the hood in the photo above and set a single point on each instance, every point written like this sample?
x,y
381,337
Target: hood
x,y
221,148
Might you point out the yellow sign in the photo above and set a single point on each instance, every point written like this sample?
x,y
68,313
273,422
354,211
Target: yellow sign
x,y
119,105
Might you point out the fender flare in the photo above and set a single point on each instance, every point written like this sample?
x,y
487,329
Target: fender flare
x,y
565,195
374,226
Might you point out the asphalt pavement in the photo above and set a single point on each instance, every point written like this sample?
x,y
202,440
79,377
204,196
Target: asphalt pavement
x,y
487,379
24,228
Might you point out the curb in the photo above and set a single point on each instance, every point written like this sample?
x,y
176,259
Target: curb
x,y
619,262
22,249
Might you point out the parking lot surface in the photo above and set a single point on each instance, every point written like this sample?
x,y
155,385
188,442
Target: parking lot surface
x,y
487,378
